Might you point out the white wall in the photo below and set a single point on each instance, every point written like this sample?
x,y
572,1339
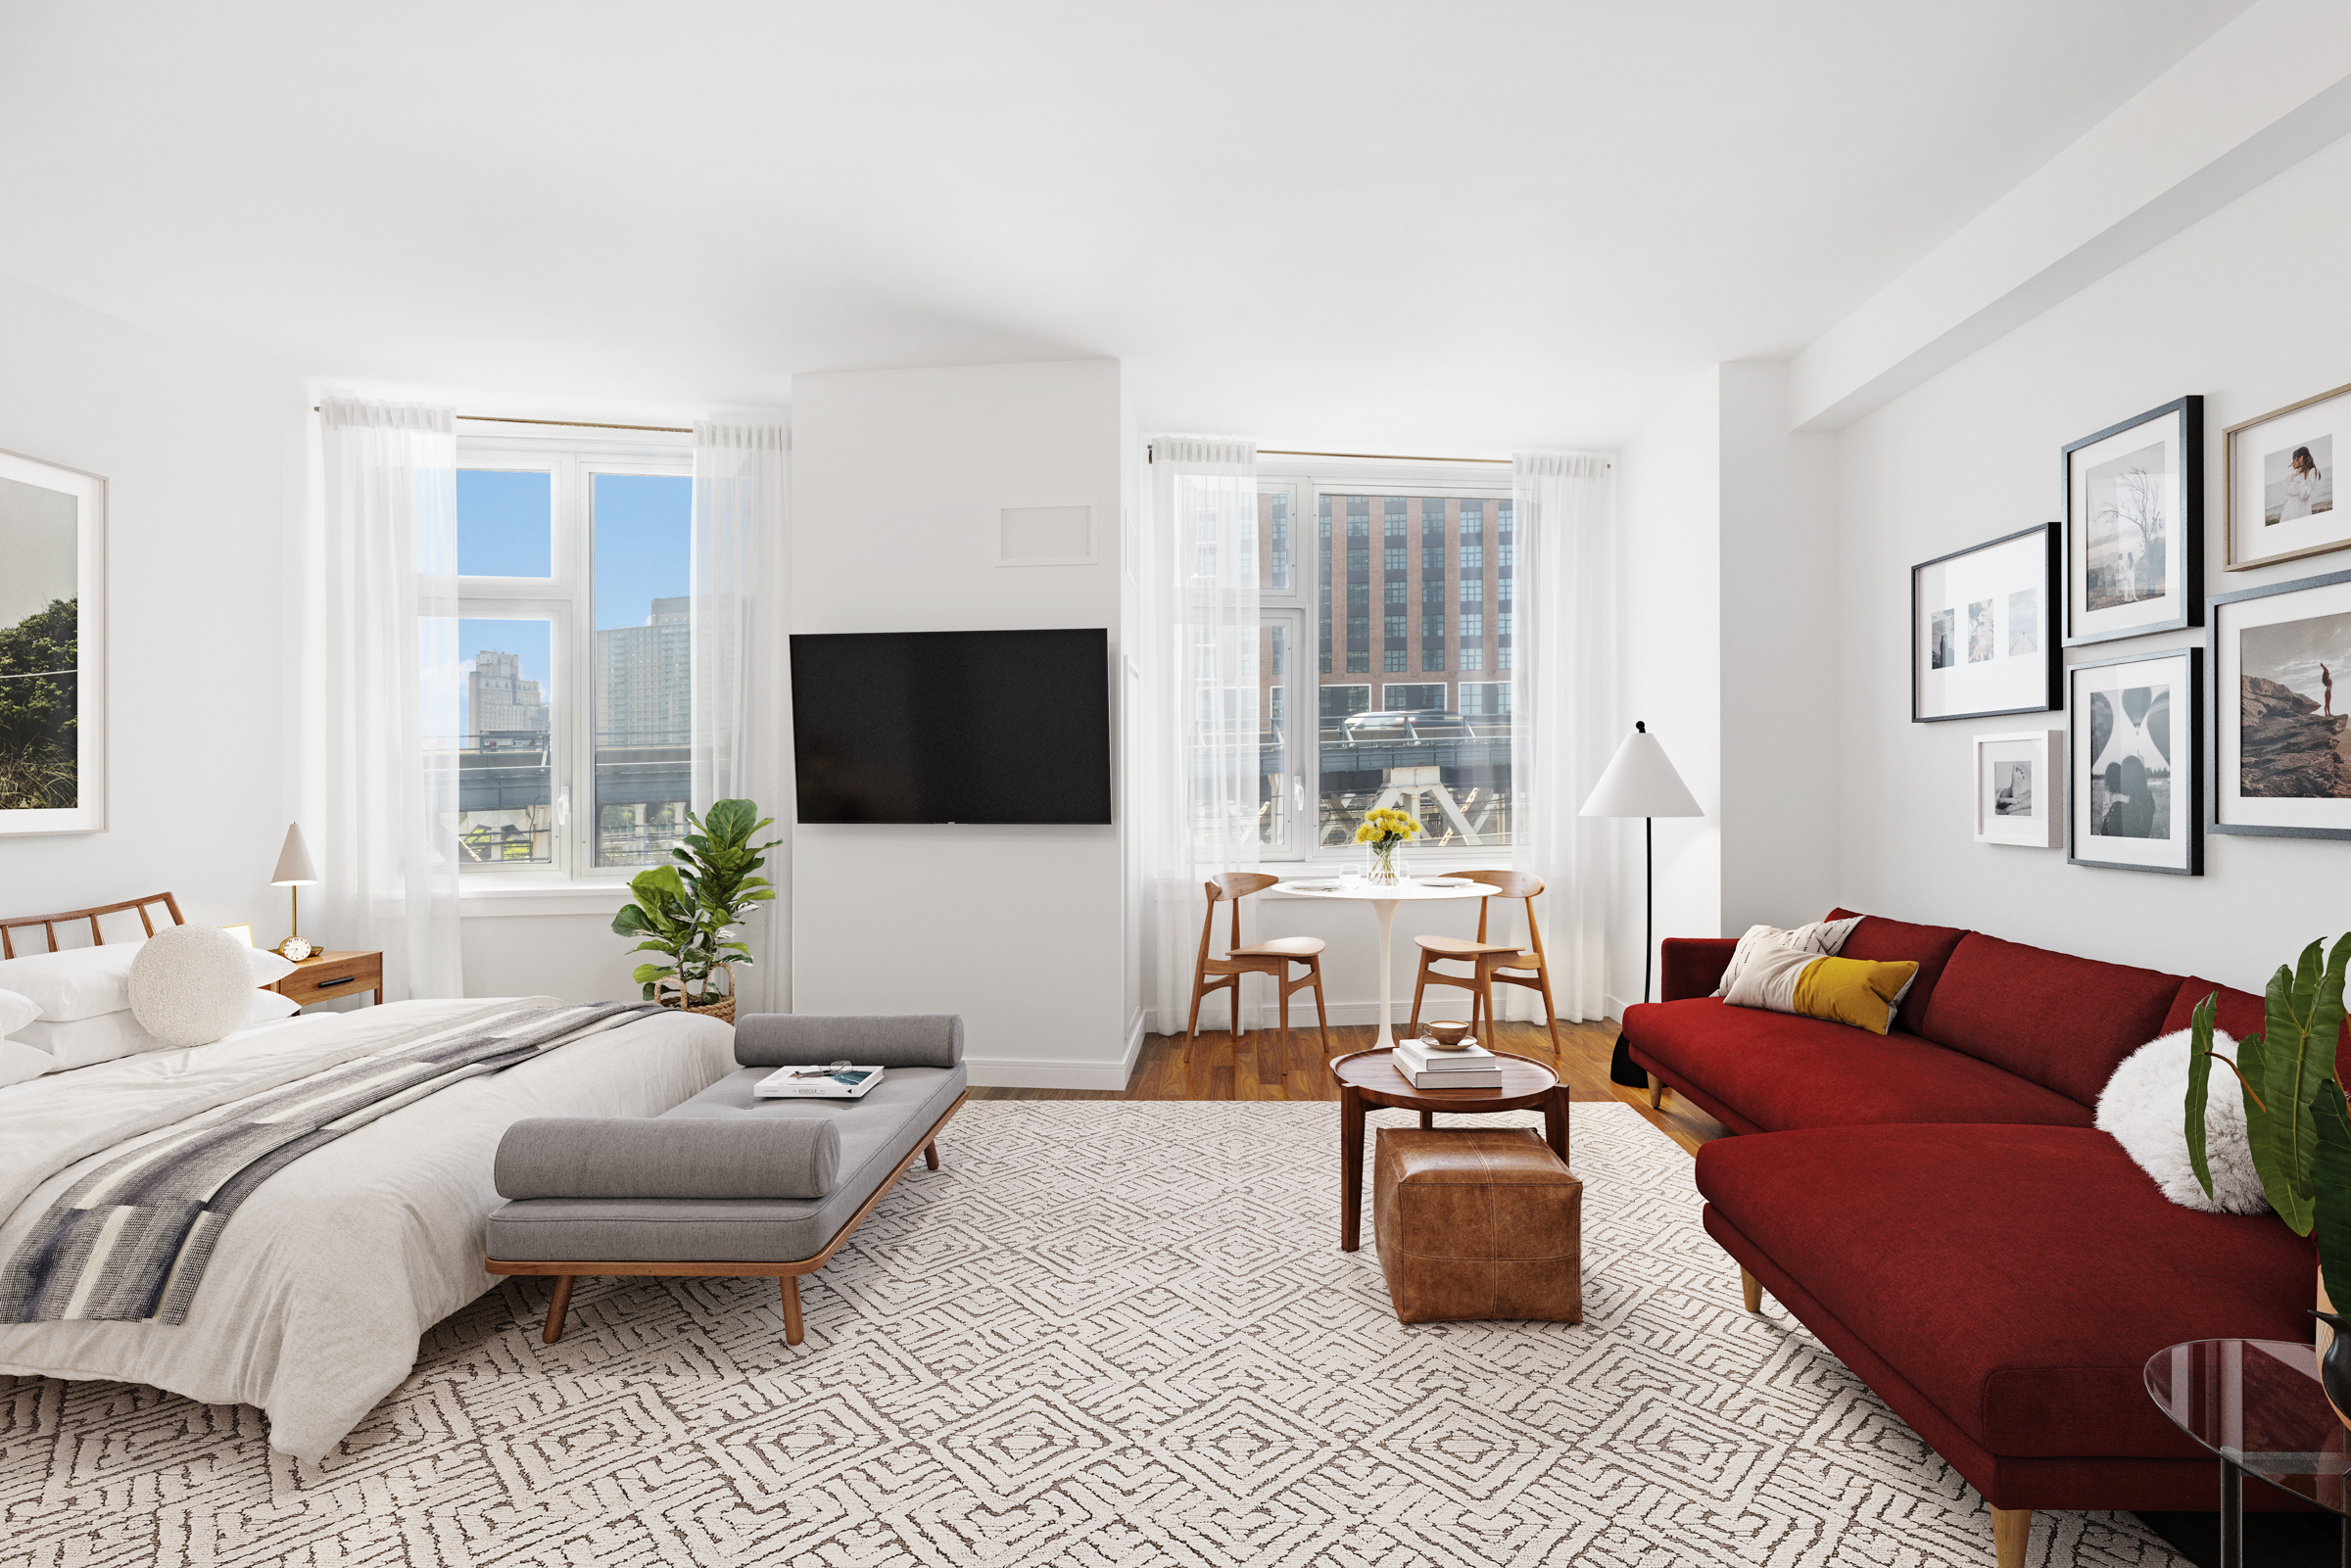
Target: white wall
x,y
201,449
1669,629
1778,655
896,478
2244,308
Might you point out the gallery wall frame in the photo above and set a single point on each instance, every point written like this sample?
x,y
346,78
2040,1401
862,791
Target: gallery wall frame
x,y
52,648
2134,558
2014,794
2285,774
2280,463
2134,774
2005,591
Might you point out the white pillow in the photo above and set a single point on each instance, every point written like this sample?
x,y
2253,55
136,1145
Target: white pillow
x,y
191,985
86,1042
15,1012
84,982
1821,938
19,1062
2143,1107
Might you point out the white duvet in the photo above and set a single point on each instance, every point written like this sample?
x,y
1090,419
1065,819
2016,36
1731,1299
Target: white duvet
x,y
326,1276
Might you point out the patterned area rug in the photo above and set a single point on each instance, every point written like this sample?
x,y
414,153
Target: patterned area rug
x,y
1108,1332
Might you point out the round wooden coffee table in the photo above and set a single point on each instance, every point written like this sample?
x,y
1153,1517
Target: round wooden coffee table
x,y
1369,1077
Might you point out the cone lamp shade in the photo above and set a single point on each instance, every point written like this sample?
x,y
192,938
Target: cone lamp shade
x,y
1640,781
294,868
294,871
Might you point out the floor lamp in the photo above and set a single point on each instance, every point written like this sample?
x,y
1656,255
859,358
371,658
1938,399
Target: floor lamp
x,y
1641,783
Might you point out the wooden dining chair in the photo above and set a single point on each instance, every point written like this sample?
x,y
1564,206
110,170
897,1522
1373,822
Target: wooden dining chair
x,y
1489,961
1217,972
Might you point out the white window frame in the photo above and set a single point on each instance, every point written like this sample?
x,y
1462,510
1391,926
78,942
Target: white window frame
x,y
1309,481
568,599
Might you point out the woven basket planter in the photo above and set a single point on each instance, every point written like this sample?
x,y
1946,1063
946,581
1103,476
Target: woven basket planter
x,y
672,993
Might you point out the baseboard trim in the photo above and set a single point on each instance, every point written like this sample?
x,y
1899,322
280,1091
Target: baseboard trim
x,y
1301,1014
1030,1072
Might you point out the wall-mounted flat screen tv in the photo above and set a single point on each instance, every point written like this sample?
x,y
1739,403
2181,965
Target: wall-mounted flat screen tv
x,y
952,727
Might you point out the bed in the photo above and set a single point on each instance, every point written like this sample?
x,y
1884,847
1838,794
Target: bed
x,y
322,1283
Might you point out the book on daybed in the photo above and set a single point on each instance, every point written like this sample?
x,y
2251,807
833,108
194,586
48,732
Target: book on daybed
x,y
838,1081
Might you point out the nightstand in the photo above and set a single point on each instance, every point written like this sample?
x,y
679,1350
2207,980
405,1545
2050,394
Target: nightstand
x,y
323,977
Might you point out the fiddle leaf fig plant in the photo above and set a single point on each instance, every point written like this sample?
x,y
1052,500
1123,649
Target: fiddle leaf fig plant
x,y
689,910
2288,1074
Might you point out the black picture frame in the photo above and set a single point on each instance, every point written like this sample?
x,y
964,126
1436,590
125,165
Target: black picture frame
x,y
2053,654
2186,415
2233,711
2187,773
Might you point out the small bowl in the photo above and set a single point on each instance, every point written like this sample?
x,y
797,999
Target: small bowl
x,y
1448,1034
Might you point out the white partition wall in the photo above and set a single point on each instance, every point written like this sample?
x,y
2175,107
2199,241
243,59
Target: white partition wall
x,y
900,482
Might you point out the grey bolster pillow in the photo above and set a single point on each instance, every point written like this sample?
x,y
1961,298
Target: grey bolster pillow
x,y
804,1039
616,1157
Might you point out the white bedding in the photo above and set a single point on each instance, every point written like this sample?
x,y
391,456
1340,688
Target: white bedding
x,y
322,1284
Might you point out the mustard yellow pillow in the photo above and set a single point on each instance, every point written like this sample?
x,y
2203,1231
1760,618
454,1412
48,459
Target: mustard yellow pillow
x,y
1842,990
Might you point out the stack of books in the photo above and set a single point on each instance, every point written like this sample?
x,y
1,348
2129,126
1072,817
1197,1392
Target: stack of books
x,y
1426,1066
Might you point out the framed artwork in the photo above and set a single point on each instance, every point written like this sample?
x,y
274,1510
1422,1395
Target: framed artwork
x,y
2279,489
2015,803
2135,526
1981,642
2280,766
2133,784
52,648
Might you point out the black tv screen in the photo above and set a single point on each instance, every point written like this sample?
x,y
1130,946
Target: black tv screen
x,y
977,726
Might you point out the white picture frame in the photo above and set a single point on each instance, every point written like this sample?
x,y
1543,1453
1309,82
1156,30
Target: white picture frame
x,y
53,542
2012,770
2283,461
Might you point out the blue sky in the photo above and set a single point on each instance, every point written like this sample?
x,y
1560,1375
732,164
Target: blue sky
x,y
643,538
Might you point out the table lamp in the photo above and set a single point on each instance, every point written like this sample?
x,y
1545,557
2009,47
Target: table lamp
x,y
1641,783
294,872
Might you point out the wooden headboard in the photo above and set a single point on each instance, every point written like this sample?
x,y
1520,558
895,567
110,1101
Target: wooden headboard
x,y
49,923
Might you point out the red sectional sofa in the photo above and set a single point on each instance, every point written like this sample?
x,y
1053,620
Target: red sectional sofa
x,y
1935,1205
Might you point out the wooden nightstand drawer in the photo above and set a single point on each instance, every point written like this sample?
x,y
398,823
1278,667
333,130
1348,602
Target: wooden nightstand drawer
x,y
324,977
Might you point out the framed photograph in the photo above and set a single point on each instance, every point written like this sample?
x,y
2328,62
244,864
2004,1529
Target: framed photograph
x,y
1981,641
2014,802
2279,489
2132,743
2280,763
52,648
2135,526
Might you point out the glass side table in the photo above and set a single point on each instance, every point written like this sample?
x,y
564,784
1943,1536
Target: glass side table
x,y
2256,1404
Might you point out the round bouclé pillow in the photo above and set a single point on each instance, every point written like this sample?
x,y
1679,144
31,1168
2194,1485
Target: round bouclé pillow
x,y
191,985
2145,1109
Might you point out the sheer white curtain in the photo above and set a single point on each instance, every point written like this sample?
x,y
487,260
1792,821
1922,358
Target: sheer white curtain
x,y
1563,689
389,730
740,691
1199,656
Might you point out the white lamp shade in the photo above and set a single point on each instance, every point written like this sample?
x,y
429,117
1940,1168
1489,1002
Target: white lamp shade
x,y
294,868
1641,783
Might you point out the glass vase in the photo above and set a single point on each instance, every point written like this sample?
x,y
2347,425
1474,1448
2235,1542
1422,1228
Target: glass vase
x,y
1384,864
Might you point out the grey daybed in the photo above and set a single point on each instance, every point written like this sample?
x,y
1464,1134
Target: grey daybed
x,y
729,1184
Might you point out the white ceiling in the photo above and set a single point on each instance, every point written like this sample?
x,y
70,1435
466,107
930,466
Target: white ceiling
x,y
1426,226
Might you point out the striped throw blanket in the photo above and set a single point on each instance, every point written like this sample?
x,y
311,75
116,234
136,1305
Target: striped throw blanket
x,y
128,1242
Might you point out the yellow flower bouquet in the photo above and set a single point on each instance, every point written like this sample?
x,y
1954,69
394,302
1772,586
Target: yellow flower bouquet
x,y
1382,830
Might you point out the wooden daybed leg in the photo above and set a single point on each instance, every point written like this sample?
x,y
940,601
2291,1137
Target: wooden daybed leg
x,y
1752,1289
2011,1528
1657,1092
794,1329
931,1153
556,1307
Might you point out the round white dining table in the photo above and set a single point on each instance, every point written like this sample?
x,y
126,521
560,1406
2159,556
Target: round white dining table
x,y
1383,897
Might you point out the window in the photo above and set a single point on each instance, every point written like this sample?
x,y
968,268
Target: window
x,y
575,641
1405,698
1450,769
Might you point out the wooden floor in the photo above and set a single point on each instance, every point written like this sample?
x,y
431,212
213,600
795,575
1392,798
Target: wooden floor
x,y
1257,1066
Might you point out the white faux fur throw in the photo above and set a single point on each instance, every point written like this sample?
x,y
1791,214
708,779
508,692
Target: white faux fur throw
x,y
2145,1109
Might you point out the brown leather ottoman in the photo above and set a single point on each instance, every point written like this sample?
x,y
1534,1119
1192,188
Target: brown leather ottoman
x,y
1477,1224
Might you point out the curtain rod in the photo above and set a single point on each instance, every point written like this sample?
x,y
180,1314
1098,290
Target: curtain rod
x,y
574,424
1151,454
